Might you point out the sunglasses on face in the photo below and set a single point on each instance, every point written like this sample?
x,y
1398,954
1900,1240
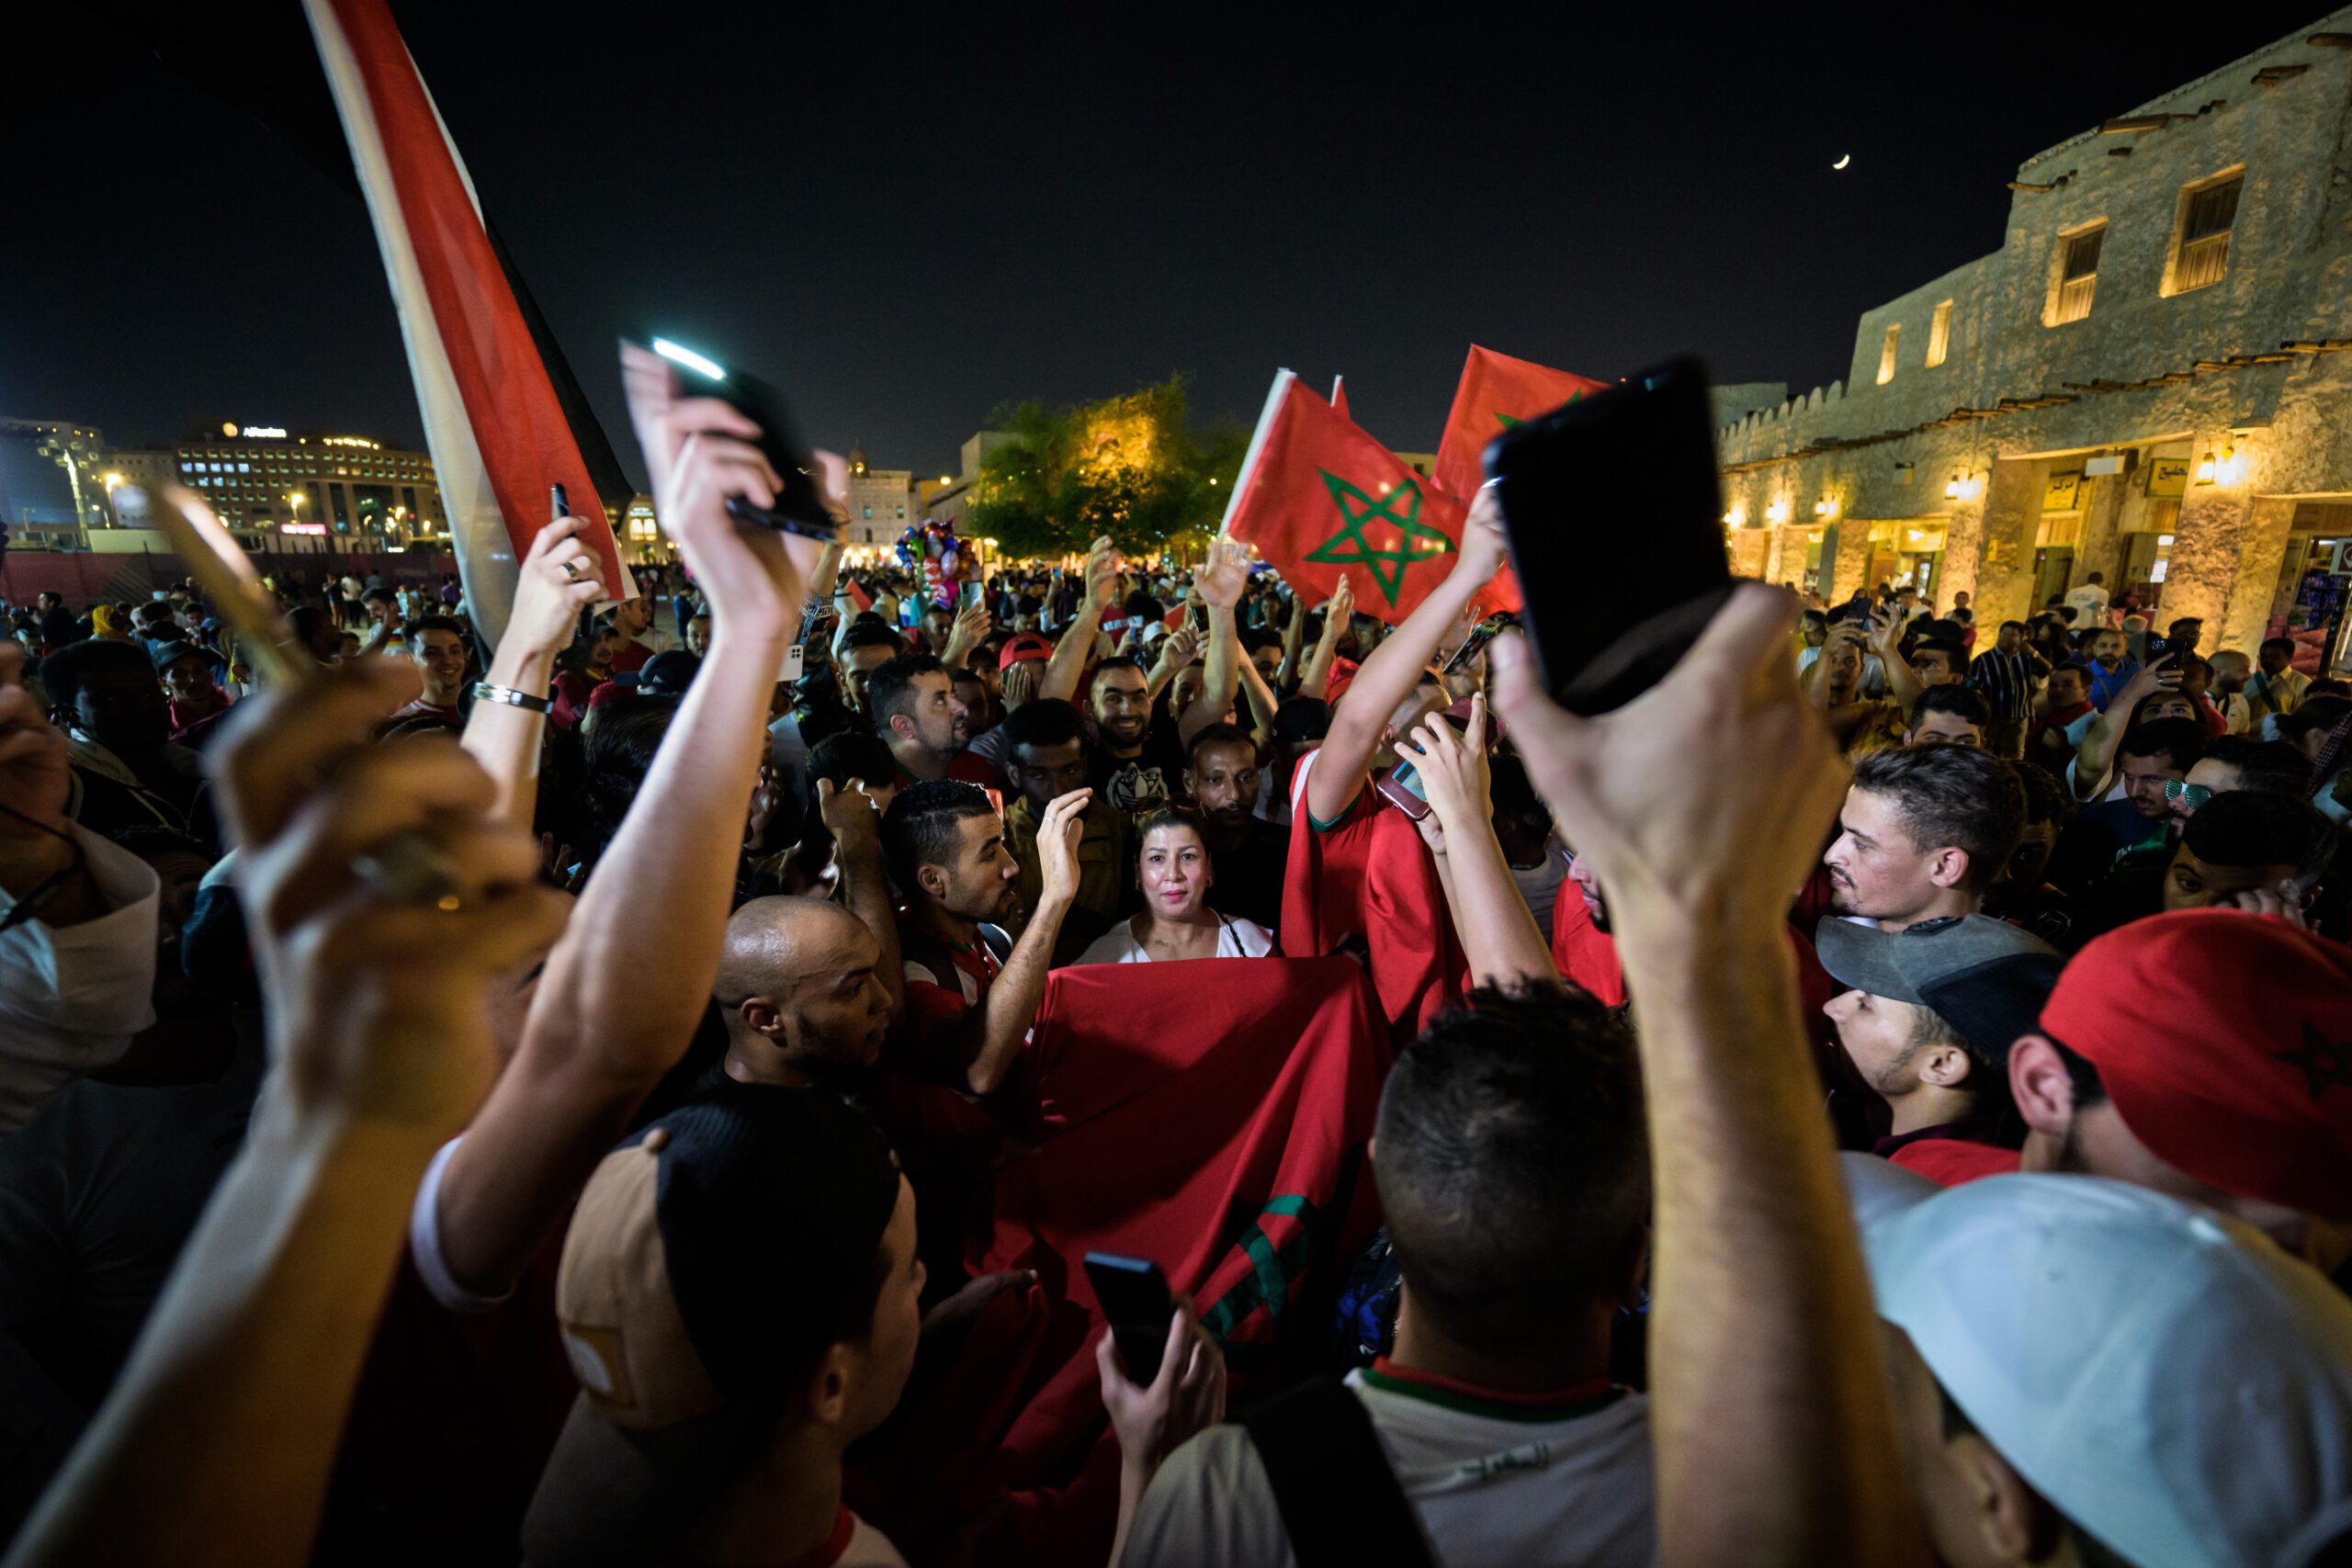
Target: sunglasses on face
x,y
2177,791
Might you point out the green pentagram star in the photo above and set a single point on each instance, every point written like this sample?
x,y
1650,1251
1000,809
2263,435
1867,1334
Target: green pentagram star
x,y
1417,540
2324,1064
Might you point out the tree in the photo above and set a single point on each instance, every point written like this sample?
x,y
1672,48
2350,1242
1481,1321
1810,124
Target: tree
x,y
1129,466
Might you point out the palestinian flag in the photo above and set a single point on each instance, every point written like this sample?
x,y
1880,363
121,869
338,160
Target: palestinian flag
x,y
493,420
1319,497
1496,392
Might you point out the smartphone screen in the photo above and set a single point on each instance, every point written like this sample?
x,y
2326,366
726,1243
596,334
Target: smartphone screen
x,y
968,596
1616,533
800,507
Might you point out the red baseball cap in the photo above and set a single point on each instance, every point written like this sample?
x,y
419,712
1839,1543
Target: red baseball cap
x,y
1021,646
2225,1040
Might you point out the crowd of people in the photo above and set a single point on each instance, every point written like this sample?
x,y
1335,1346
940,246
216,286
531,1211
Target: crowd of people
x,y
1883,1096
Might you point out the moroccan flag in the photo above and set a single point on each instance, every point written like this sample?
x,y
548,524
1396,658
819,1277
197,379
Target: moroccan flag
x,y
1227,1147
1339,397
1496,392
1319,496
492,419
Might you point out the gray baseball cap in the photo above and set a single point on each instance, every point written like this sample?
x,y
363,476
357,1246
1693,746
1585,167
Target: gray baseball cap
x,y
1986,979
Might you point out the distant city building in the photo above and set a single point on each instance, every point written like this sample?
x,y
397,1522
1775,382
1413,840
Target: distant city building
x,y
943,498
345,491
2146,381
881,503
52,481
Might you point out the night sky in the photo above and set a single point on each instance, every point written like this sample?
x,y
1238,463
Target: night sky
x,y
908,218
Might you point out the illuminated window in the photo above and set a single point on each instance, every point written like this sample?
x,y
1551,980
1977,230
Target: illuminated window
x,y
1939,334
2208,213
1887,354
2077,274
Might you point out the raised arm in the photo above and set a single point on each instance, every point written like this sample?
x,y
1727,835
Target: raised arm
x,y
2095,758
1902,680
1286,674
1221,582
1337,613
604,1026
1176,651
857,829
988,1037
1076,645
1389,675
216,1444
1498,930
1701,803
556,580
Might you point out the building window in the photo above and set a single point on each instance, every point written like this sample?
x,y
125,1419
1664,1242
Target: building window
x,y
1940,334
1886,353
2077,274
2208,211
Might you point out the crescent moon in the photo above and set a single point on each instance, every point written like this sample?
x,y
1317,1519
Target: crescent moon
x,y
1843,162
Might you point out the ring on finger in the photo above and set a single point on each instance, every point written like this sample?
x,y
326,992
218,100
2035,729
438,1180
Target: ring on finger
x,y
572,569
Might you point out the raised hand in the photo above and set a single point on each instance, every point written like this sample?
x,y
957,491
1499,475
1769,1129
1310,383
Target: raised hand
x,y
850,817
558,579
1454,772
1341,607
1102,572
2156,675
1226,574
1485,547
1186,1398
1058,834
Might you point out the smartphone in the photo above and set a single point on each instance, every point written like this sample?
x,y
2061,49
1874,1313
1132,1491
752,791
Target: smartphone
x,y
796,658
1616,533
2156,648
1482,634
800,507
969,594
1138,1305
1402,785
559,504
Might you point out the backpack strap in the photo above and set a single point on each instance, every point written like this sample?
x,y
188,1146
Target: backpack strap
x,y
1339,1499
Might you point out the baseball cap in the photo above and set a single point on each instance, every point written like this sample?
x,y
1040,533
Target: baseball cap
x,y
2171,1382
2225,1042
709,1261
1021,646
167,654
1986,979
670,671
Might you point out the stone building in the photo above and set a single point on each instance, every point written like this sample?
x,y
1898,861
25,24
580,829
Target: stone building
x,y
2147,379
881,502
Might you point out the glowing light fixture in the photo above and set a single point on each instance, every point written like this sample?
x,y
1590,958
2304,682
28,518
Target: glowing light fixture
x,y
2205,466
1777,513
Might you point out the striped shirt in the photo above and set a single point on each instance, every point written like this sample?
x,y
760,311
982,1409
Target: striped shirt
x,y
2008,681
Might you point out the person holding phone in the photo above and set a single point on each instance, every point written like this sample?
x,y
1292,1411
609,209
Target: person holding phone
x,y
1172,866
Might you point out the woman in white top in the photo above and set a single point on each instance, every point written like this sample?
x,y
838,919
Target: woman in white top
x,y
1176,921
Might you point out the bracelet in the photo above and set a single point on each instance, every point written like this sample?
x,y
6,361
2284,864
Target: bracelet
x,y
485,692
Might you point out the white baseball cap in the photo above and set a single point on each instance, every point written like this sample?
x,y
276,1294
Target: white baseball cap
x,y
2167,1378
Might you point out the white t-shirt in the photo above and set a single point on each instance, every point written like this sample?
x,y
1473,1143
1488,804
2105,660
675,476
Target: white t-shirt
x,y
2086,602
1236,938
1490,1485
1539,885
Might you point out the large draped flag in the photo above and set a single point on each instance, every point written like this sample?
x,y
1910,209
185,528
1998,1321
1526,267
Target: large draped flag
x,y
1319,497
492,419
1495,392
1229,1149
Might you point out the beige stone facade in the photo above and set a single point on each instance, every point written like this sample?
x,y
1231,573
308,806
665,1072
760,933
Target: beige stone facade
x,y
2148,380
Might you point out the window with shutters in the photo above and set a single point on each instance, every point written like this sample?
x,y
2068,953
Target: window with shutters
x,y
1887,354
2209,211
1940,334
2070,295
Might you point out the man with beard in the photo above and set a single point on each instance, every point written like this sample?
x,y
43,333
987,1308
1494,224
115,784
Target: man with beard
x,y
1137,764
1923,833
801,990
912,699
1248,854
1047,760
967,1009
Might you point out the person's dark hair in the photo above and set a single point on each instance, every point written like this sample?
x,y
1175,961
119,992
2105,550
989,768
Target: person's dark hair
x,y
1960,795
889,690
2174,630
2019,625
2264,767
2182,740
420,724
2284,644
1813,618
1514,796
2079,668
379,596
1034,726
1302,719
1172,814
1217,735
851,754
2329,686
2096,577
306,621
1966,701
1525,1103
2313,713
620,753
920,826
1141,605
1255,638
873,632
2066,612
148,840
2045,799
1965,616
2242,828
71,668
423,624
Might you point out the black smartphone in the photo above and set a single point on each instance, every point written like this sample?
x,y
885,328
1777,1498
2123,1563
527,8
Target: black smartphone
x,y
800,507
559,504
1136,1303
2155,648
1616,533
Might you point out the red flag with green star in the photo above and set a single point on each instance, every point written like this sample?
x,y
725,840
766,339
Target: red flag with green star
x,y
1319,497
1496,392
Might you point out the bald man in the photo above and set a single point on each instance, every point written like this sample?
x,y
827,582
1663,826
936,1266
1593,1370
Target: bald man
x,y
802,988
